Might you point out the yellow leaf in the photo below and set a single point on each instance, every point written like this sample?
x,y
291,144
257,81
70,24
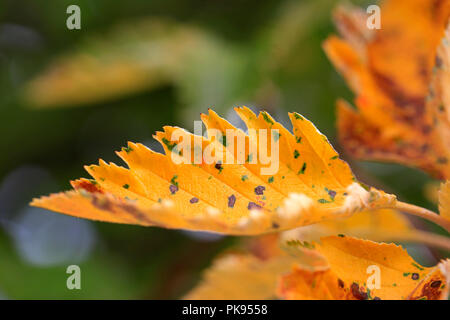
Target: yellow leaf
x,y
245,277
352,264
376,225
438,103
444,200
128,59
390,71
310,184
240,277
396,266
301,284
431,191
254,274
435,285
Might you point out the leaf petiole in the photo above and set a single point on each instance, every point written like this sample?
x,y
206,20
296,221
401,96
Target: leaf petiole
x,y
423,213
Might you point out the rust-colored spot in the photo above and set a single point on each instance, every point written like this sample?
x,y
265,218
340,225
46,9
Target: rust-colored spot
x,y
436,284
358,292
265,247
86,185
432,293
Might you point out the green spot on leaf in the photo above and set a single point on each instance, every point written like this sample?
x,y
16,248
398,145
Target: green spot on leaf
x,y
173,180
302,170
224,141
417,266
266,118
127,149
168,144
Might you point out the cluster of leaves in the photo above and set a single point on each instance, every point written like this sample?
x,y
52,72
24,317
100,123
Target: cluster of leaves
x,y
313,187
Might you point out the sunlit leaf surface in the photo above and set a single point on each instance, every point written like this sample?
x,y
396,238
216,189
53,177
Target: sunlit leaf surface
x,y
310,184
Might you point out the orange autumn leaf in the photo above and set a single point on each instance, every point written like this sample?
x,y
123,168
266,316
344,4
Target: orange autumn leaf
x,y
431,191
247,276
254,274
390,71
438,102
334,269
444,200
240,277
172,190
302,284
352,263
435,285
375,225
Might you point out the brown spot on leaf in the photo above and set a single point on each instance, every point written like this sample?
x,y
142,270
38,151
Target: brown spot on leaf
x,y
358,292
101,203
332,193
436,284
136,213
218,166
438,61
173,189
431,290
193,200
231,201
252,205
86,185
259,190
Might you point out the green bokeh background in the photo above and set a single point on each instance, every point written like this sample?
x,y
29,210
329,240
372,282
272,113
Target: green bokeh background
x,y
150,263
